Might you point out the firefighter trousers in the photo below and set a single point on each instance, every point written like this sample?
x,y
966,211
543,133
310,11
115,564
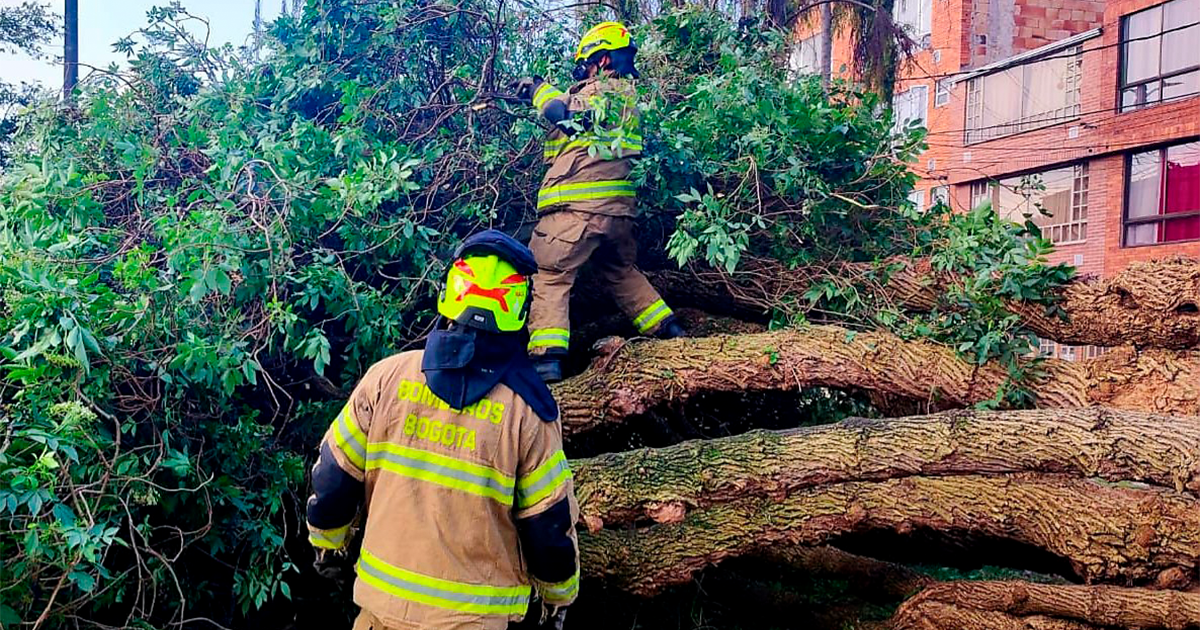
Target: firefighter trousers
x,y
562,242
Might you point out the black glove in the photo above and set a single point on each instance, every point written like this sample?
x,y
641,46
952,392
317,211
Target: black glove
x,y
576,123
554,620
525,87
334,565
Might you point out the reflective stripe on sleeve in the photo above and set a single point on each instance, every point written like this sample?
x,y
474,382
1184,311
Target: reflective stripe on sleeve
x,y
564,591
543,480
544,94
583,191
349,438
652,316
550,338
444,471
328,538
447,594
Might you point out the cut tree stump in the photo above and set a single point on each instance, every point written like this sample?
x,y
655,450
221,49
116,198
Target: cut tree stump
x,y
948,604
1152,304
1106,532
666,483
628,379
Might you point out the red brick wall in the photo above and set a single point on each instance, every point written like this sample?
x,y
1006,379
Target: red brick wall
x,y
1040,22
1100,135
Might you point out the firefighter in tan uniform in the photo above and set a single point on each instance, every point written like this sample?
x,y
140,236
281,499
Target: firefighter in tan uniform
x,y
587,202
450,459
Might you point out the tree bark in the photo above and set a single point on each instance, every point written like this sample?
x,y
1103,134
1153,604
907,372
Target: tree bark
x,y
1107,606
1154,304
938,616
664,484
630,378
1106,532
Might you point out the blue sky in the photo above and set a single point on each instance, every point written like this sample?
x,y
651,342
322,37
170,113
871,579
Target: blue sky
x,y
102,22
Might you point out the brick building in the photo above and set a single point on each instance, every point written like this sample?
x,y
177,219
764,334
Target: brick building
x,y
1086,110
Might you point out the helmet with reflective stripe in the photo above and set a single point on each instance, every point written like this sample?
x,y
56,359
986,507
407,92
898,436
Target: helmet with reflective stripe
x,y
604,36
487,286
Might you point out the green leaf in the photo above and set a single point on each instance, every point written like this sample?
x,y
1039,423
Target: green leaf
x,y
9,617
84,581
64,514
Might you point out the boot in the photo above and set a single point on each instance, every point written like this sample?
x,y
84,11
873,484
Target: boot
x,y
670,329
549,368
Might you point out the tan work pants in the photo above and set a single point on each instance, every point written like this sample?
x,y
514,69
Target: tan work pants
x,y
562,242
368,621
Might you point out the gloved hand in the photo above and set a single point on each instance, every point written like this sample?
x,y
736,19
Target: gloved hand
x,y
555,618
334,565
525,87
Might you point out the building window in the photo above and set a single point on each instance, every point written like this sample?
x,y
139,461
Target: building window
x,y
939,194
1055,200
917,199
916,18
909,107
942,94
1024,97
980,192
1162,188
805,57
1157,61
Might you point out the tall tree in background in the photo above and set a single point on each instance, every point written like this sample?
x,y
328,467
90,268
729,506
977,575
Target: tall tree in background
x,y
70,47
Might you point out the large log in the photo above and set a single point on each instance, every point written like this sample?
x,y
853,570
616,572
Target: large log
x,y
946,605
664,484
1106,532
631,378
1154,304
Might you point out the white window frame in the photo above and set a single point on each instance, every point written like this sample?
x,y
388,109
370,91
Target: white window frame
x,y
941,94
917,199
914,99
810,46
916,18
976,131
939,194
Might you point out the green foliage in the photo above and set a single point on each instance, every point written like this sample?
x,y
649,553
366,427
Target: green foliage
x,y
754,164
200,256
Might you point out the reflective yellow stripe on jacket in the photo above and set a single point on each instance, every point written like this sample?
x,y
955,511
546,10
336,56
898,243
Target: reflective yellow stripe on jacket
x,y
558,592
442,470
350,439
616,143
543,480
328,538
584,191
544,94
469,598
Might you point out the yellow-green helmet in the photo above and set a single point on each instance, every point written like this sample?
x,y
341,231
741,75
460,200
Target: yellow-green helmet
x,y
603,36
487,286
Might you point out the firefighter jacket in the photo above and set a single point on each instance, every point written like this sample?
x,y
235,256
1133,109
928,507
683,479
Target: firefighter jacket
x,y
589,163
465,509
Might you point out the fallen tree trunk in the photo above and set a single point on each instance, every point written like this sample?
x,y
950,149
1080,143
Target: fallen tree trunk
x,y
664,484
1154,304
940,616
1106,532
630,378
1015,602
